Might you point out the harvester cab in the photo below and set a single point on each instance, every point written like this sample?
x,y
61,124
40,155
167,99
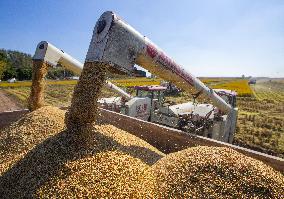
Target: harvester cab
x,y
228,95
155,93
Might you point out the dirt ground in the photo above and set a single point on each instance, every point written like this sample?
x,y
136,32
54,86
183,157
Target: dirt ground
x,y
7,103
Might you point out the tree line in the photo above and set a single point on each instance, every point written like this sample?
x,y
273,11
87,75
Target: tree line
x,y
15,64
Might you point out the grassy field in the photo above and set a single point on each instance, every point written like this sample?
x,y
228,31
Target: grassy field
x,y
261,106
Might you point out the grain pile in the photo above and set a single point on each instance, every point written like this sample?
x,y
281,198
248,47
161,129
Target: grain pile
x,y
215,172
109,174
36,99
115,173
115,165
21,136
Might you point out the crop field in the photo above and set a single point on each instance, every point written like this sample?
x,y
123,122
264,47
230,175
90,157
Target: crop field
x,y
130,82
240,86
261,106
29,83
214,81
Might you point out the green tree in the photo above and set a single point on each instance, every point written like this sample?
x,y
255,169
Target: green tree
x,y
3,63
19,65
2,68
59,72
9,72
15,64
24,73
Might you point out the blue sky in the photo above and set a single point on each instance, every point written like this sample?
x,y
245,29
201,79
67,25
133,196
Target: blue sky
x,y
207,37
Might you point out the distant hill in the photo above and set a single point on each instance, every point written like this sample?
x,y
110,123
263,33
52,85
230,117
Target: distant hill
x,y
17,59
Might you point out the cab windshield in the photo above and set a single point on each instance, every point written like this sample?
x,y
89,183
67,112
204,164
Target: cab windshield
x,y
142,93
151,94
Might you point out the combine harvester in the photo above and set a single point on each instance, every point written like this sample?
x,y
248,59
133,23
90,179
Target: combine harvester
x,y
119,45
202,119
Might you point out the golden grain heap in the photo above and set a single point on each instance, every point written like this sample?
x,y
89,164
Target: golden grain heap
x,y
84,159
60,166
21,136
215,172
